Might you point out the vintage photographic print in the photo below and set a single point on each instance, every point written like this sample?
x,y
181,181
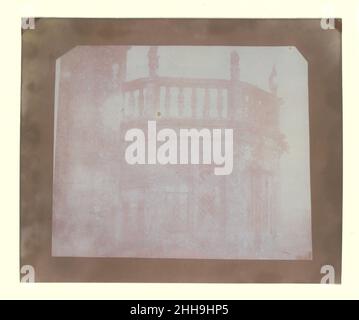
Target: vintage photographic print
x,y
181,150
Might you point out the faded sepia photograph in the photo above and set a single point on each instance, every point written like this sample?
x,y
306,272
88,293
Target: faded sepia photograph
x,y
102,206
181,150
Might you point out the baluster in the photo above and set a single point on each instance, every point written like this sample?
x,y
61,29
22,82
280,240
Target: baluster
x,y
193,109
131,104
206,105
156,100
180,97
167,101
225,102
141,103
219,103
